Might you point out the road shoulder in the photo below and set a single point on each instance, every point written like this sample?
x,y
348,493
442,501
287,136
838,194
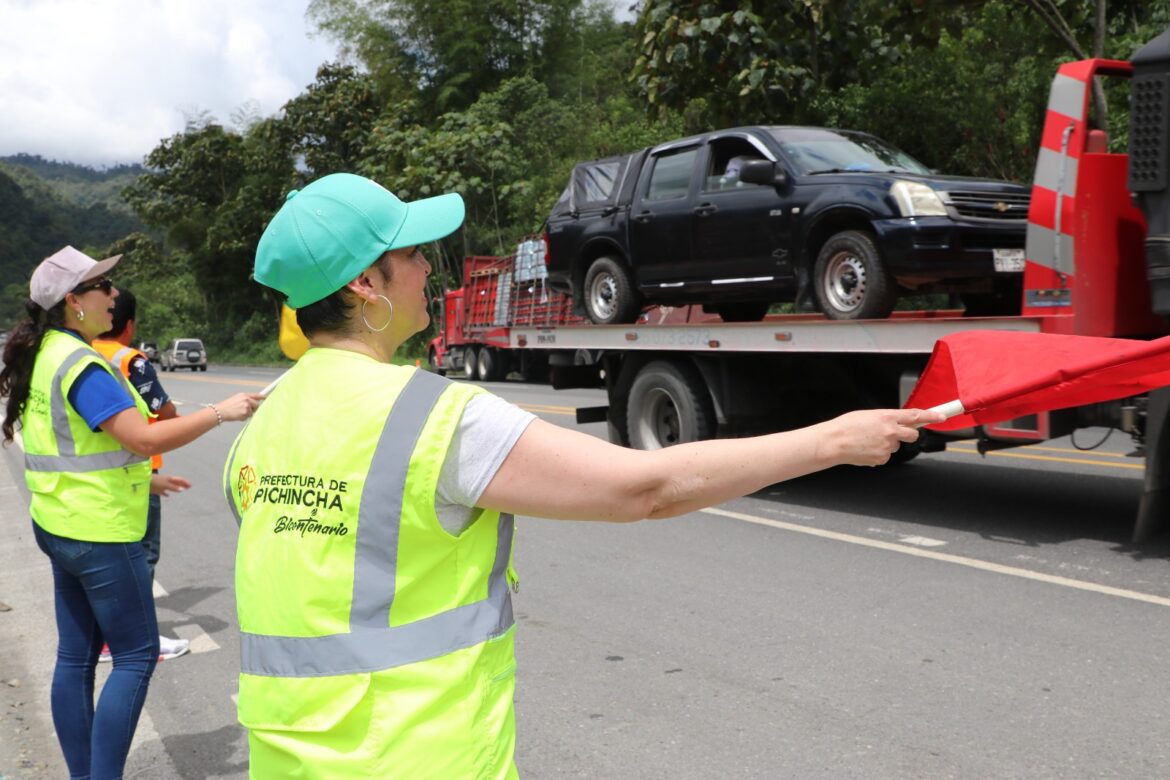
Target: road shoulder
x,y
28,637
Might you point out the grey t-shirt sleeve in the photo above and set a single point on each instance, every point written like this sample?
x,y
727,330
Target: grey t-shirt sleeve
x,y
486,434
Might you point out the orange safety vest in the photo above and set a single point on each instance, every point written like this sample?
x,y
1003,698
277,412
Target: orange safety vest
x,y
119,356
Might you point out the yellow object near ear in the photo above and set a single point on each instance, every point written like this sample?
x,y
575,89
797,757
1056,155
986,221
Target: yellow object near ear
x,y
292,341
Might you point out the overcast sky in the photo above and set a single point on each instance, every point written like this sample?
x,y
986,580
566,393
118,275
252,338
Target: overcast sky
x,y
100,82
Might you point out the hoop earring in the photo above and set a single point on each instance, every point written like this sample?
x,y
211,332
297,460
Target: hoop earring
x,y
366,322
81,315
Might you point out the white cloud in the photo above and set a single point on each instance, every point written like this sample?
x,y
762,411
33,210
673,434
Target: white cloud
x,y
102,82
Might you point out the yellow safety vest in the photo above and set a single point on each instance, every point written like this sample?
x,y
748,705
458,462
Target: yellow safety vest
x,y
83,484
373,642
119,356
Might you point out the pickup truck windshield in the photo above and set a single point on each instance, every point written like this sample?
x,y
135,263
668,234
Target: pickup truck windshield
x,y
814,150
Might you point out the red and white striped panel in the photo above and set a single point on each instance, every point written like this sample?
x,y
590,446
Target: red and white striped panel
x,y
1051,247
1054,188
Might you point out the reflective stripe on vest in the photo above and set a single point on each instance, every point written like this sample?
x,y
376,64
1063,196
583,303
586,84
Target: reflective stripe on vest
x,y
371,645
67,459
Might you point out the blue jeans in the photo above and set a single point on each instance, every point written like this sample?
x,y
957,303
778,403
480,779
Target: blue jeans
x,y
152,542
103,595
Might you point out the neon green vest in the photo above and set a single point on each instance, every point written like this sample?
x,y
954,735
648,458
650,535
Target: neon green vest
x,y
84,485
374,643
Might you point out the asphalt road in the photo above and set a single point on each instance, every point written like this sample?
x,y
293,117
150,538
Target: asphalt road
x,y
956,617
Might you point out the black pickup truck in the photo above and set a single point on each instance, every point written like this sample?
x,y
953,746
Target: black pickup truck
x,y
739,219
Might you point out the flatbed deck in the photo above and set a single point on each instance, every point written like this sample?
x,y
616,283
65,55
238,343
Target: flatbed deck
x,y
778,333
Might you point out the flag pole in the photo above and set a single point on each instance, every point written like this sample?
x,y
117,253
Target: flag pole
x,y
272,385
949,409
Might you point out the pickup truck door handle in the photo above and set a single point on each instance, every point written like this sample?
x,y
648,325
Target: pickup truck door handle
x,y
644,217
705,209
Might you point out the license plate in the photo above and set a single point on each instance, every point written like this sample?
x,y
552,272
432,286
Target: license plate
x,y
1008,260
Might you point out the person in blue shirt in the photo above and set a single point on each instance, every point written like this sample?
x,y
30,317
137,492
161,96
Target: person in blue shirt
x,y
79,480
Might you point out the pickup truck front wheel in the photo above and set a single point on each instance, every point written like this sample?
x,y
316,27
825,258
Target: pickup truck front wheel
x,y
610,297
850,279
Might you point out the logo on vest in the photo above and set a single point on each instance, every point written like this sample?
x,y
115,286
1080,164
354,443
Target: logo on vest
x,y
309,525
37,403
290,492
246,486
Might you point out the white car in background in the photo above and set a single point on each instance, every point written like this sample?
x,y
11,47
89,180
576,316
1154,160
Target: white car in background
x,y
184,353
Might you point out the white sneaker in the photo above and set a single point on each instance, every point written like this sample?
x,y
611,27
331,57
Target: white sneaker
x,y
172,648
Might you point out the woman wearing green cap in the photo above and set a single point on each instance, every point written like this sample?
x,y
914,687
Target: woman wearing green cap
x,y
87,451
375,505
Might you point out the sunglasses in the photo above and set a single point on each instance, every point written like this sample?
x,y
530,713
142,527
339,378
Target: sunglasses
x,y
101,283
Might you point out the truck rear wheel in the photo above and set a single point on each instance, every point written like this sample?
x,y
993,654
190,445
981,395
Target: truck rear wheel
x,y
610,296
669,404
470,362
492,365
851,281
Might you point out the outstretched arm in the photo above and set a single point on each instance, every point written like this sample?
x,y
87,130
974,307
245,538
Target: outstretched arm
x,y
133,432
564,474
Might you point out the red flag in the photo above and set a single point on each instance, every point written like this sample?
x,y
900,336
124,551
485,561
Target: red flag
x,y
999,375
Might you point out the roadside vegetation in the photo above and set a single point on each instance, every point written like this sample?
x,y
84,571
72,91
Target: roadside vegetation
x,y
498,100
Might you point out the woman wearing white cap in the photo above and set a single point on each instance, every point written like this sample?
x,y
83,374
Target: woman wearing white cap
x,y
87,451
375,507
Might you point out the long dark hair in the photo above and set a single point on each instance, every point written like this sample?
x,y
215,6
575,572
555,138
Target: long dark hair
x,y
20,353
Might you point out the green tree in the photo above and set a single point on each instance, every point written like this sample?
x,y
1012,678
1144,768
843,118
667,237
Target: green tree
x,y
445,55
745,61
327,124
212,191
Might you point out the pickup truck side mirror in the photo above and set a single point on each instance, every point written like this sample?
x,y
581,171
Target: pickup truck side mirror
x,y
763,172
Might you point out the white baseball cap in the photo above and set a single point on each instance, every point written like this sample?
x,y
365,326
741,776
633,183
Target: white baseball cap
x,y
61,272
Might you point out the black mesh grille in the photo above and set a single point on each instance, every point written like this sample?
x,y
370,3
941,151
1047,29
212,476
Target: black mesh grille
x,y
1147,133
1000,206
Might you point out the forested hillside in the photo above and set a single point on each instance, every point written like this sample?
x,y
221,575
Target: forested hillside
x,y
498,100
45,205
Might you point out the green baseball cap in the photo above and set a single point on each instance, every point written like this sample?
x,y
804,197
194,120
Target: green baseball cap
x,y
338,226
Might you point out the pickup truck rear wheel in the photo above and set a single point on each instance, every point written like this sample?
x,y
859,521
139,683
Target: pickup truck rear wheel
x,y
669,404
610,297
850,279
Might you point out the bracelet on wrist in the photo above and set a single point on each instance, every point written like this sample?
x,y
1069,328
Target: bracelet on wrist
x,y
218,416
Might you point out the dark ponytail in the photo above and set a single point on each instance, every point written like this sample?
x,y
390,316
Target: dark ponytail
x,y
20,353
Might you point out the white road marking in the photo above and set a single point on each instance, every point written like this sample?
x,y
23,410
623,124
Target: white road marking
x,y
972,563
922,541
159,591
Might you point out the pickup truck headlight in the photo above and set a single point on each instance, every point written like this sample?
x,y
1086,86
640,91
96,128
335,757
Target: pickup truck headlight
x,y
915,199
